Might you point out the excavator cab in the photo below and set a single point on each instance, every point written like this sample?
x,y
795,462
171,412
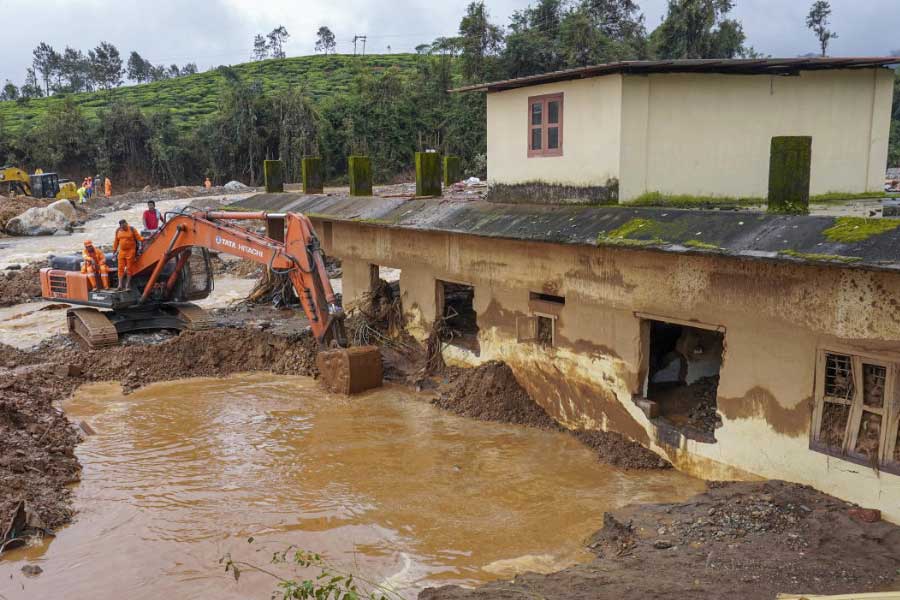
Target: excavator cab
x,y
44,185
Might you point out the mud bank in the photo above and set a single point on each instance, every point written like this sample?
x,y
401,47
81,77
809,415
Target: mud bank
x,y
737,540
20,285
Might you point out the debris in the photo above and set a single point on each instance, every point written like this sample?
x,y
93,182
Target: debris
x,y
236,186
866,515
32,570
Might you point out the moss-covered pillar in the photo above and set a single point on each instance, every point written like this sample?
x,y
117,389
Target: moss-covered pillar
x,y
360,175
790,162
312,175
428,174
273,172
452,171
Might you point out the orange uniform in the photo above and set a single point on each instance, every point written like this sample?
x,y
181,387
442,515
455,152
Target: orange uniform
x,y
207,184
108,187
93,261
126,244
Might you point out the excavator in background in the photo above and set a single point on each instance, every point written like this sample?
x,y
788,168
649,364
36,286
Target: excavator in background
x,y
173,269
15,181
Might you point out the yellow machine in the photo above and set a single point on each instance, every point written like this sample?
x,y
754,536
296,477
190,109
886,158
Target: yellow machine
x,y
17,182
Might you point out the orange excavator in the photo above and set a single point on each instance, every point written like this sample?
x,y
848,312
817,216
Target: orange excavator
x,y
173,269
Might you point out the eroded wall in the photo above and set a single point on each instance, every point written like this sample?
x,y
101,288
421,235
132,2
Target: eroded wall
x,y
709,135
591,124
776,316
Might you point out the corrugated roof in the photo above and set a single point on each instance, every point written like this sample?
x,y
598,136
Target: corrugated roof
x,y
748,66
733,234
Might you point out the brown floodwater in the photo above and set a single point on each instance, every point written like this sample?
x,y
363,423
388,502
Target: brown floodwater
x,y
383,485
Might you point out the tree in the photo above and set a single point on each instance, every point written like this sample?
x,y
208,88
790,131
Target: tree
x,y
10,92
325,40
277,37
138,68
76,73
189,69
174,72
32,87
45,60
817,21
699,29
260,48
479,40
158,73
106,65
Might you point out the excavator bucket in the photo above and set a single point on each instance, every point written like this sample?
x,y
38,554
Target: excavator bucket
x,y
350,370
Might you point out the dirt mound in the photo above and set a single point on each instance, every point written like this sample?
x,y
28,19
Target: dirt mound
x,y
490,392
615,449
21,285
737,540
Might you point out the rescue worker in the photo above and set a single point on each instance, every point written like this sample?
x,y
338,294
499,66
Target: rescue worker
x,y
93,263
108,185
153,219
126,246
89,188
81,193
207,184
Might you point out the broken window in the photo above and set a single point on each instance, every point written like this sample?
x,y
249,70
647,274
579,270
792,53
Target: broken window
x,y
856,410
458,322
683,377
545,125
382,308
540,326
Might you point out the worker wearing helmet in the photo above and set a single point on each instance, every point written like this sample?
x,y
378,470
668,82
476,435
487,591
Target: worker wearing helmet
x,y
108,185
93,264
126,245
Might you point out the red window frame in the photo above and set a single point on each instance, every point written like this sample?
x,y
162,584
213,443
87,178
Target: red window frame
x,y
544,126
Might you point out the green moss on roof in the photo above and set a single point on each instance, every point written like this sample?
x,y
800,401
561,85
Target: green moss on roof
x,y
856,229
685,201
701,245
820,257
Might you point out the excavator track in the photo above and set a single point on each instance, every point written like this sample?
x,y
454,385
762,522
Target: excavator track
x,y
92,327
196,318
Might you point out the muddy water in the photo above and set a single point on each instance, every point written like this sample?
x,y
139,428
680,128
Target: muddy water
x,y
384,485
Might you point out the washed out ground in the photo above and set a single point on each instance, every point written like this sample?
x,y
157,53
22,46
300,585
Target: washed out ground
x,y
747,540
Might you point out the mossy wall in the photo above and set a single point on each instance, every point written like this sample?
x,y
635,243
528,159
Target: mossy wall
x,y
790,160
452,170
538,192
312,175
360,172
273,171
428,174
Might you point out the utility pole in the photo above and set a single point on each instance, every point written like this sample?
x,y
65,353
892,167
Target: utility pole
x,y
362,39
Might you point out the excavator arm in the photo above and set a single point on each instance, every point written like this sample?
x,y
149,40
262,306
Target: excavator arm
x,y
299,257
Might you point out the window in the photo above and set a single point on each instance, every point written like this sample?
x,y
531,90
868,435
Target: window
x,y
540,326
857,409
458,319
545,125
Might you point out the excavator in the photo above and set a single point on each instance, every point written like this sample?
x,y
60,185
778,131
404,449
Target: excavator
x,y
14,180
173,269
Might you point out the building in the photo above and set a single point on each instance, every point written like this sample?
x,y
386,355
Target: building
x,y
785,330
701,128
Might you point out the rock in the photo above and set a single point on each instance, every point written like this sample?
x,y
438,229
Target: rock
x,y
866,515
32,570
14,268
662,544
235,186
66,208
69,370
147,188
38,221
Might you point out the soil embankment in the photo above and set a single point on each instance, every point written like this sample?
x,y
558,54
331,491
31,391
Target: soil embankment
x,y
737,540
20,285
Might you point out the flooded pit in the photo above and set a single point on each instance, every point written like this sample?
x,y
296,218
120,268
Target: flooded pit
x,y
383,484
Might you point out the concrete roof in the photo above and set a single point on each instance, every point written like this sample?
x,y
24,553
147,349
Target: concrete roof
x,y
848,242
743,66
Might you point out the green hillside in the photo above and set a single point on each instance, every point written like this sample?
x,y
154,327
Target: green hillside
x,y
193,97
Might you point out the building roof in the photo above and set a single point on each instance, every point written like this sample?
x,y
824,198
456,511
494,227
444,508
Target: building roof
x,y
747,66
848,242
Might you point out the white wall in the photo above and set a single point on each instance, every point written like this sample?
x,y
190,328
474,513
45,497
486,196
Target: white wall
x,y
710,134
591,127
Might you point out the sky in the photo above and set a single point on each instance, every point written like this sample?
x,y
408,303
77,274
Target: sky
x,y
216,32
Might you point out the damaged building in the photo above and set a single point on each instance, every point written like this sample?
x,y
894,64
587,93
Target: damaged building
x,y
737,344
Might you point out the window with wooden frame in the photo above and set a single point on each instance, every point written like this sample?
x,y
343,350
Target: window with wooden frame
x,y
857,412
545,125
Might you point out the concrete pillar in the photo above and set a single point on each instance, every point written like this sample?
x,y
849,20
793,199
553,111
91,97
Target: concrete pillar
x,y
452,170
790,162
275,228
360,175
273,171
428,174
312,175
356,281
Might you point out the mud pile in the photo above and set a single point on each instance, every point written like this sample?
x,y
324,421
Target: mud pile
x,y
20,285
490,392
615,449
737,540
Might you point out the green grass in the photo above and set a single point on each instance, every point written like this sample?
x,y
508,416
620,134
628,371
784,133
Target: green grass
x,y
839,197
685,201
700,245
856,229
190,99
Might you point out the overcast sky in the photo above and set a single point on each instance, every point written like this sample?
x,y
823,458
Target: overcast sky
x,y
215,32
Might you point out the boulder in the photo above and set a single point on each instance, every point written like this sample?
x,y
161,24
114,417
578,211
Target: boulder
x,y
66,208
235,186
38,221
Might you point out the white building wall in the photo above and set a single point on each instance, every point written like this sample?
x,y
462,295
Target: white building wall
x,y
591,127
